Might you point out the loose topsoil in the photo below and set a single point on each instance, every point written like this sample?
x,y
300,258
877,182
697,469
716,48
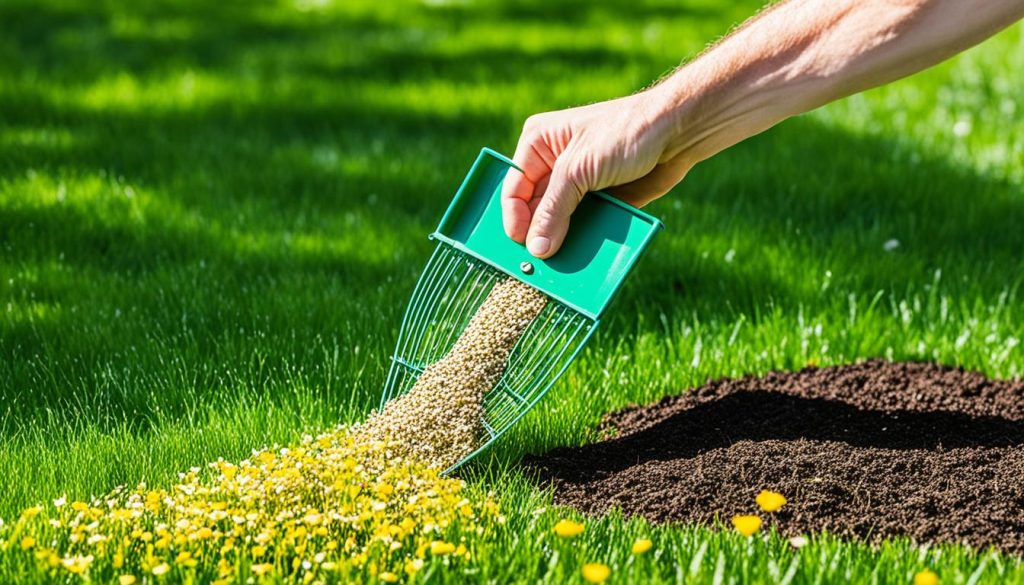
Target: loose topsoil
x,y
870,451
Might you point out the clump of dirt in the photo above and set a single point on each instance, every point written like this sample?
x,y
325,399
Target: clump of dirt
x,y
869,451
440,420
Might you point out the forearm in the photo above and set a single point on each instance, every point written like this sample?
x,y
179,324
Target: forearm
x,y
792,58
804,53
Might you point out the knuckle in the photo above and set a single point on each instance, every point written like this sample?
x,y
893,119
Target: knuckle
x,y
532,123
575,178
545,216
531,137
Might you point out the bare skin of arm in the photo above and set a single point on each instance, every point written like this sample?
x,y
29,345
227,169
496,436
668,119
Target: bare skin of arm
x,y
792,58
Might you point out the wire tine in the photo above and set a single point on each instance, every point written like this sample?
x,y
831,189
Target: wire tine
x,y
450,326
432,329
403,333
550,367
455,317
551,376
441,297
529,350
510,392
500,404
541,381
526,349
542,344
411,367
428,307
427,281
545,341
517,352
463,310
449,298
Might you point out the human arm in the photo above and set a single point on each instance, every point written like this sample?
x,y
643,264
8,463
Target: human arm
x,y
793,57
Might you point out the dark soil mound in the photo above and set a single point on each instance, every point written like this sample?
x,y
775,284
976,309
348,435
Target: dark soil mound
x,y
871,450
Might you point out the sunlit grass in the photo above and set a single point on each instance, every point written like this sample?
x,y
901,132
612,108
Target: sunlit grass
x,y
329,508
211,218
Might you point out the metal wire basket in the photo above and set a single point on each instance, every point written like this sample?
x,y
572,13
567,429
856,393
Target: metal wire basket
x,y
605,240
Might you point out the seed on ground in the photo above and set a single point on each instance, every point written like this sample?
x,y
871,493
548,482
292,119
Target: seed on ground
x,y
351,503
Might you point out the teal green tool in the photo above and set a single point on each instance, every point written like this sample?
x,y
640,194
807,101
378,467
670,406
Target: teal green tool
x,y
605,239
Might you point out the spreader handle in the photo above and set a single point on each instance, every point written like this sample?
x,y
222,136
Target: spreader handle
x,y
606,237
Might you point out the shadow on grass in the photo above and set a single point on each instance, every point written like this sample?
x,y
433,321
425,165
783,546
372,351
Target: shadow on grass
x,y
264,170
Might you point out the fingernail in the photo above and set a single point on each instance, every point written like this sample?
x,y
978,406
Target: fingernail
x,y
538,245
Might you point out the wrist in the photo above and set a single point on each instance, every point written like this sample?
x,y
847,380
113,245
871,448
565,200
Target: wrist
x,y
713,103
677,105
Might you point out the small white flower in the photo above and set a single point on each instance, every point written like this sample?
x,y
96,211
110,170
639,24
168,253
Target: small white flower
x,y
891,245
962,128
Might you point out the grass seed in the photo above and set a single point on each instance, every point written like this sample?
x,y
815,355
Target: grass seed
x,y
440,420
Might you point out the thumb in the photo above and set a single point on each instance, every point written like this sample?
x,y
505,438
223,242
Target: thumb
x,y
550,220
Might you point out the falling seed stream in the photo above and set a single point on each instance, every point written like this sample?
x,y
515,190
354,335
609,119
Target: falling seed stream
x,y
440,420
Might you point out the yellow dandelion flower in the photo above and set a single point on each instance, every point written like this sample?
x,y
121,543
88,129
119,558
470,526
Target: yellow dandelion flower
x,y
642,545
568,528
77,564
926,577
413,566
397,506
185,558
770,501
262,569
439,548
31,512
596,572
160,569
746,525
204,533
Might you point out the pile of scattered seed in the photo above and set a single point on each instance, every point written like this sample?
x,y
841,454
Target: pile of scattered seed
x,y
440,420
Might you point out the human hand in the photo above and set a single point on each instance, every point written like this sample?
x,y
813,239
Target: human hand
x,y
618,145
792,58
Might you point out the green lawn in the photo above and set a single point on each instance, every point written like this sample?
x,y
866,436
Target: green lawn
x,y
213,213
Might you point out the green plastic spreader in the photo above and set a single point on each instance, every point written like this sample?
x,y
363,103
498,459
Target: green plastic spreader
x,y
605,239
